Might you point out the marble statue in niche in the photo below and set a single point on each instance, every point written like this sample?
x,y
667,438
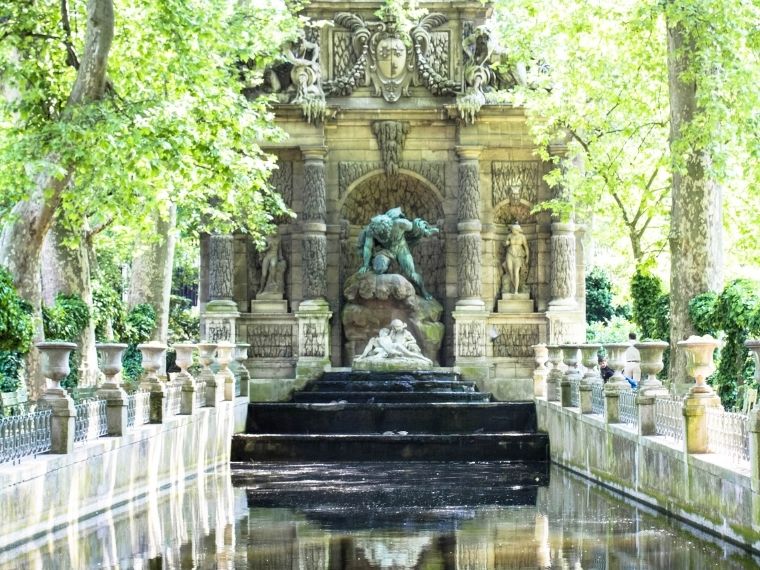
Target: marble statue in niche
x,y
273,267
516,260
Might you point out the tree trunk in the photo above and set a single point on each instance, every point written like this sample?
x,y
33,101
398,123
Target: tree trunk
x,y
151,279
696,224
67,271
21,240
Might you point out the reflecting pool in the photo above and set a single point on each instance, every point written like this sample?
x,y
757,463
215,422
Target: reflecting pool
x,y
389,516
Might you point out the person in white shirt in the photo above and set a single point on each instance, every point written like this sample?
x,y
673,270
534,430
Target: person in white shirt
x,y
632,368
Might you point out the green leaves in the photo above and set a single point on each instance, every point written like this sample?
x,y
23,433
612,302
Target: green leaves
x,y
15,317
66,318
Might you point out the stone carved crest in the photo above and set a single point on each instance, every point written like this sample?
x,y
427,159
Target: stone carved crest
x,y
390,59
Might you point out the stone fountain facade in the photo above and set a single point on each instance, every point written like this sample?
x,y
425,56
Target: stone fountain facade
x,y
381,116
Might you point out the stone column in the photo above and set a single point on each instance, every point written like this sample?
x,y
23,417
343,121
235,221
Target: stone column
x,y
314,241
563,278
55,366
470,313
221,311
114,395
469,240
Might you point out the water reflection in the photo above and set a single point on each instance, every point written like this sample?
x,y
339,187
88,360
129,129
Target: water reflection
x,y
379,516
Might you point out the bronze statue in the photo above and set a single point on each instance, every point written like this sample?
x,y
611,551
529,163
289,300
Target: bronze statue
x,y
388,237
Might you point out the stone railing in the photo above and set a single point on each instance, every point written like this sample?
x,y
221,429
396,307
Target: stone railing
x,y
25,435
597,399
668,417
728,434
628,414
59,422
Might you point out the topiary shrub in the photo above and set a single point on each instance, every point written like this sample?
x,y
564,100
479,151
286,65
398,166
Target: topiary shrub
x,y
16,332
650,305
731,315
138,328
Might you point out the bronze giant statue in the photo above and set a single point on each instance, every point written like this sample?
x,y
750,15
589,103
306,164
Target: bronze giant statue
x,y
388,237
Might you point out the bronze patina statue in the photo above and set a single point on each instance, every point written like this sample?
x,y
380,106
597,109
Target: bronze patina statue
x,y
388,237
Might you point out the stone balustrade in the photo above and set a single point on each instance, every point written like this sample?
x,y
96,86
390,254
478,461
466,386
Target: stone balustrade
x,y
59,423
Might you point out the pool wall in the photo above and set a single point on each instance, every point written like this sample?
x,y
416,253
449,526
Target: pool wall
x,y
42,494
703,489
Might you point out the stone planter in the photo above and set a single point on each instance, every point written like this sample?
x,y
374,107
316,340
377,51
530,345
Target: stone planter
x,y
184,360
207,354
651,365
555,374
152,354
241,355
590,359
572,374
540,357
55,367
699,362
616,360
111,354
225,351
55,361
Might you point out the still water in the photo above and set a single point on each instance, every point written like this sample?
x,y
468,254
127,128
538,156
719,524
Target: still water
x,y
472,516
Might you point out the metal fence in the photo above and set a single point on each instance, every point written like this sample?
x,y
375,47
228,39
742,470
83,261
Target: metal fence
x,y
138,409
200,393
668,417
628,412
24,435
728,434
575,395
91,421
173,399
597,399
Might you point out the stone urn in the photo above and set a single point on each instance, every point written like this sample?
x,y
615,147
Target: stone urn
x,y
55,362
207,354
153,353
570,358
590,359
754,347
540,356
555,374
241,355
184,351
616,360
651,364
699,362
224,355
111,354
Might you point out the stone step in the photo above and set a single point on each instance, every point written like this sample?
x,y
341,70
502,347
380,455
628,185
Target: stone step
x,y
391,397
371,447
372,385
423,375
362,418
395,492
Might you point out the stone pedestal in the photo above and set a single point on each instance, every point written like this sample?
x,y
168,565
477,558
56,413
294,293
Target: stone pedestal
x,y
695,421
470,340
585,398
63,418
645,410
116,407
262,305
313,339
515,303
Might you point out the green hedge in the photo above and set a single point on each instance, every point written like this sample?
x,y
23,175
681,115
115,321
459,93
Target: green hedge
x,y
16,332
734,315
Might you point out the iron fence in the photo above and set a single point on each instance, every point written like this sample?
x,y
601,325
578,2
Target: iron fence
x,y
628,413
597,399
138,409
25,435
173,399
90,421
668,417
728,434
200,393
575,395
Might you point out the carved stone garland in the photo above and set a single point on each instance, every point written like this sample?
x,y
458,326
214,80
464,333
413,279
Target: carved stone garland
x,y
391,136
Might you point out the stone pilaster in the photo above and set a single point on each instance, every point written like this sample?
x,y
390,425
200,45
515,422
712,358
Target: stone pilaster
x,y
314,241
563,267
313,339
218,319
469,238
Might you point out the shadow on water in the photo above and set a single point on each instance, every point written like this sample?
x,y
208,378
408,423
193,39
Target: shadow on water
x,y
362,516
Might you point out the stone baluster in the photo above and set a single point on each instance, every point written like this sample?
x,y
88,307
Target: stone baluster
x,y
700,364
540,355
572,374
650,387
153,355
224,377
616,384
241,355
469,229
220,314
110,391
590,356
555,374
563,278
314,243
184,360
55,367
207,353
